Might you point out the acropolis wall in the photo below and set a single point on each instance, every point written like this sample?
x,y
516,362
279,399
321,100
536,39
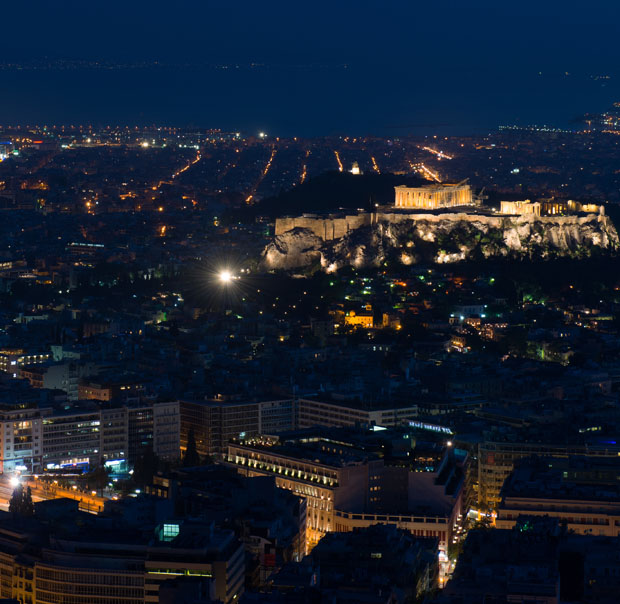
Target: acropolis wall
x,y
333,226
328,228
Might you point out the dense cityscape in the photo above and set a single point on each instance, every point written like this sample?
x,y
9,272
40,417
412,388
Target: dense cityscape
x,y
182,423
308,304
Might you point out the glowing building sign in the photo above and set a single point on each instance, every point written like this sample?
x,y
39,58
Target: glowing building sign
x,y
430,427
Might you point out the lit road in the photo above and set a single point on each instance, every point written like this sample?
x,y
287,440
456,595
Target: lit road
x,y
264,173
430,173
436,153
42,491
424,171
375,166
340,168
187,166
180,171
304,169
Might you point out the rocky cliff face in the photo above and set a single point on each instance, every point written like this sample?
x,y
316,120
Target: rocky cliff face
x,y
443,238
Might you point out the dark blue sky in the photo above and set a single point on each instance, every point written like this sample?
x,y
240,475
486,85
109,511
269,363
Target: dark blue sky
x,y
395,46
568,34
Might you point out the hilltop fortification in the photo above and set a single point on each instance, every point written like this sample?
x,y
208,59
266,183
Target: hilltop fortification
x,y
416,230
370,239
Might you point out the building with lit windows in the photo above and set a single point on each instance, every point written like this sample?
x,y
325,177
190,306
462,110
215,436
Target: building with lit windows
x,y
315,412
114,435
326,477
57,434
108,389
581,493
62,556
71,437
496,460
21,436
6,149
270,521
11,360
348,484
216,422
362,318
63,376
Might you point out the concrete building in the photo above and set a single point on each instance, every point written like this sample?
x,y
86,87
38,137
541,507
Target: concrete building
x,y
114,435
311,412
347,485
110,388
323,477
518,566
12,359
216,422
155,425
106,559
582,493
51,435
72,437
375,561
496,460
63,376
21,436
271,521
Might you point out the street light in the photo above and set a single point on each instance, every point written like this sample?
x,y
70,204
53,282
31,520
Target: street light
x,y
14,481
225,276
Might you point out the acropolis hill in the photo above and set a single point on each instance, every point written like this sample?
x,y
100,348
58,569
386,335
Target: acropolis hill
x,y
442,224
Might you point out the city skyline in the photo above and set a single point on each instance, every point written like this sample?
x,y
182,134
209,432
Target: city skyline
x,y
309,303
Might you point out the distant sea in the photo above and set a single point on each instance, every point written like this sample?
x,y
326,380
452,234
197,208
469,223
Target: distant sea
x,y
303,101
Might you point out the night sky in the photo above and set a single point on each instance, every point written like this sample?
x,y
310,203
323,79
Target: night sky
x,y
460,64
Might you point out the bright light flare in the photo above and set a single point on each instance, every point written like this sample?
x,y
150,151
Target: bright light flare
x,y
225,276
14,481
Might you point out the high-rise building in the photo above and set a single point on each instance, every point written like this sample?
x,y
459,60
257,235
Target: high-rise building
x,y
52,435
216,422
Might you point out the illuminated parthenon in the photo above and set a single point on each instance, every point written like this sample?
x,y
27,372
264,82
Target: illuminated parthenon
x,y
431,197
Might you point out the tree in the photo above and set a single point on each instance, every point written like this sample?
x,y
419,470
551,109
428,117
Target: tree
x,y
145,467
21,501
28,504
98,478
191,457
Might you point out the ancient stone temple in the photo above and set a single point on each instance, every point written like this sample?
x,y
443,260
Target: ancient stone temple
x,y
433,197
549,207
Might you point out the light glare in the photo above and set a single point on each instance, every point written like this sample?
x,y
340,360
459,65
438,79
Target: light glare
x,y
225,276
